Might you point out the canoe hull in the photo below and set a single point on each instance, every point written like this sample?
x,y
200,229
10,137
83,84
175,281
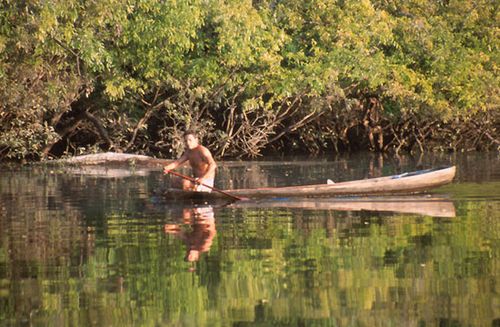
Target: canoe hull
x,y
410,183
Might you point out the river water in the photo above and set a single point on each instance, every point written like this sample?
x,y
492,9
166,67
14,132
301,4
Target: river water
x,y
100,247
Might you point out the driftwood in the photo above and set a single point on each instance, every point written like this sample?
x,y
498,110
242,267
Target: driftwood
x,y
110,164
112,158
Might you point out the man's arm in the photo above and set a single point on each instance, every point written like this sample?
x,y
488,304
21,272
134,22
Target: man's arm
x,y
175,164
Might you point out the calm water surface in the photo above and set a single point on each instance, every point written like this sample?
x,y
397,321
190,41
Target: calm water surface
x,y
99,247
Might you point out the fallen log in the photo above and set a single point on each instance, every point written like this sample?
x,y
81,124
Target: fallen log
x,y
111,158
109,164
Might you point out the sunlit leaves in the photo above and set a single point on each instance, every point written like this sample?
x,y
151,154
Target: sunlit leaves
x,y
436,59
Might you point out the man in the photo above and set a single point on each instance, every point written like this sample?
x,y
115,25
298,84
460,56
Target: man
x,y
201,161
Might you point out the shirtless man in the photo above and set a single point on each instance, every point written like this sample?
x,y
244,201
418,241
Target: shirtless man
x,y
200,160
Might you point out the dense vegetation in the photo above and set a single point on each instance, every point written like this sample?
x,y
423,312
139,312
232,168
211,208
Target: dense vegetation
x,y
130,75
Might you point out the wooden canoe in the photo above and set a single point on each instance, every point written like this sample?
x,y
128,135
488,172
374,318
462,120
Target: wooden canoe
x,y
407,183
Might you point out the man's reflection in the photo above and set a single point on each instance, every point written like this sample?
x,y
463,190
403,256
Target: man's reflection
x,y
199,239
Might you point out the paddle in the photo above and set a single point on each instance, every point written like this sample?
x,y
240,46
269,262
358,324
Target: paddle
x,y
210,187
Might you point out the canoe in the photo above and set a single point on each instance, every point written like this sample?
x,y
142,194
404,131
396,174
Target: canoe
x,y
406,183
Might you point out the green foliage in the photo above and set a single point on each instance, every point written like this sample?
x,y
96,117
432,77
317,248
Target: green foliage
x,y
248,72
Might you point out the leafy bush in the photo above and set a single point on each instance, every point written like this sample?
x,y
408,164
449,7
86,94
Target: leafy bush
x,y
322,74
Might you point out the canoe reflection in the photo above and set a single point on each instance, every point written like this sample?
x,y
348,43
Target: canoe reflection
x,y
421,205
199,238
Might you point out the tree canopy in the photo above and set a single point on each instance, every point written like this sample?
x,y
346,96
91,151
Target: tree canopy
x,y
129,75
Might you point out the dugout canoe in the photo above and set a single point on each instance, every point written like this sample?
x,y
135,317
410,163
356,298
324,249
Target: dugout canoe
x,y
406,183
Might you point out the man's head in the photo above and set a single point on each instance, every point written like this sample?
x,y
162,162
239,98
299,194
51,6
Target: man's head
x,y
191,139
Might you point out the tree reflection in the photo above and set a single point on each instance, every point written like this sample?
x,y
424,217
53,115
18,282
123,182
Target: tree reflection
x,y
39,224
87,251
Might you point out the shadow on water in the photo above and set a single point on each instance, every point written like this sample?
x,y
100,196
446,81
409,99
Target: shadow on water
x,y
103,249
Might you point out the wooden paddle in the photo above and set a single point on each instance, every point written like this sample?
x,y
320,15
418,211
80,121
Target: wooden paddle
x,y
203,184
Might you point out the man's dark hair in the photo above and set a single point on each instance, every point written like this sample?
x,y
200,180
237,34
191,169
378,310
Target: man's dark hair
x,y
190,132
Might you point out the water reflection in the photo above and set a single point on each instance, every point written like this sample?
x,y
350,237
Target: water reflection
x,y
39,225
82,250
425,205
196,228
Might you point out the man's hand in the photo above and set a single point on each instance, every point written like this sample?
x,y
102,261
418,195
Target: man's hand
x,y
197,183
171,166
198,180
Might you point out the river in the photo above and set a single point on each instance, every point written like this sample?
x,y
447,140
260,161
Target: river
x,y
101,247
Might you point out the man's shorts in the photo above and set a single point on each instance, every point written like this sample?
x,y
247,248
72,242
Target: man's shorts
x,y
201,188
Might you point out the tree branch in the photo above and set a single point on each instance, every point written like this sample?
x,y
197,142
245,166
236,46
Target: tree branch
x,y
100,128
